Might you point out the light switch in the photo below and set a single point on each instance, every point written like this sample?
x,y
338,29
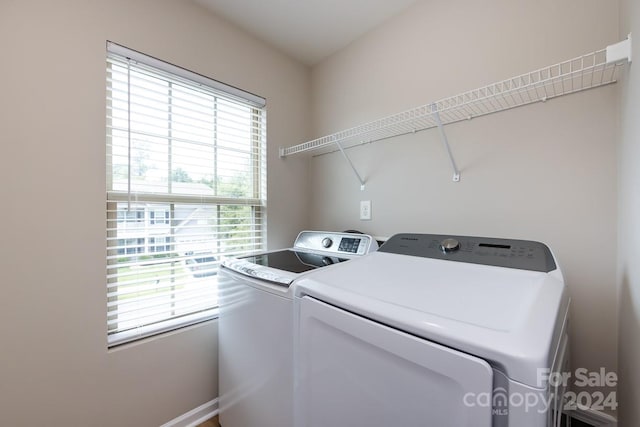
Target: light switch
x,y
365,210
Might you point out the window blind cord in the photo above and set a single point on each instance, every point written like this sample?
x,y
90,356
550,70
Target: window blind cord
x,y
129,136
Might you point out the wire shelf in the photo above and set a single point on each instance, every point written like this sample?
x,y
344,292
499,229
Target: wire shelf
x,y
575,75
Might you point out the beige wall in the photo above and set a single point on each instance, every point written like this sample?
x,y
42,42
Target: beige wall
x,y
54,365
543,172
629,226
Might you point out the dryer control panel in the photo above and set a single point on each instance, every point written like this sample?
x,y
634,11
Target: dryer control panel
x,y
520,254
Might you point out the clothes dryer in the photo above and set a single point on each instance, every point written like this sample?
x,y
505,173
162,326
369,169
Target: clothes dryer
x,y
432,330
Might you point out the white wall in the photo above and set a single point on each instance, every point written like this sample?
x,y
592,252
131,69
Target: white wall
x,y
629,226
543,172
55,368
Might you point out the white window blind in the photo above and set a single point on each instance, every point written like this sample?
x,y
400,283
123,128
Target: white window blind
x,y
186,186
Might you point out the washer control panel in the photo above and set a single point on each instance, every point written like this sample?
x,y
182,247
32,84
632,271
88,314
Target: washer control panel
x,y
336,243
520,254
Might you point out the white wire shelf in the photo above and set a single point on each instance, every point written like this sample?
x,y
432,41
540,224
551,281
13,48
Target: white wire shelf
x,y
575,75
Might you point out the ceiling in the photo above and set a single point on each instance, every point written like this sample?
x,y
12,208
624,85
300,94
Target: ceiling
x,y
307,30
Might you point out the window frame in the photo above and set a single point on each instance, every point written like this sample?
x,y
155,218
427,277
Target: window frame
x,y
156,201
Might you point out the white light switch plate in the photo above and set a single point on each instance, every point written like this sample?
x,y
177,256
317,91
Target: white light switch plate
x,y
365,209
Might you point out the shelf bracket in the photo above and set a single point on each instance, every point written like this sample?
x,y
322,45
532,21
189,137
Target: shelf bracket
x,y
445,142
353,168
620,51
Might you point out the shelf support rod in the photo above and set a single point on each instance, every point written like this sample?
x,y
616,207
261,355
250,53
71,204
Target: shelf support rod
x,y
445,142
353,168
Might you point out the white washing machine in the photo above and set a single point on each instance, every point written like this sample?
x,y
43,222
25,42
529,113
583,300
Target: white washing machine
x,y
432,330
255,329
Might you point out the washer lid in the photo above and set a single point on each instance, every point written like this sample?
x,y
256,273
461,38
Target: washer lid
x,y
312,249
281,267
504,315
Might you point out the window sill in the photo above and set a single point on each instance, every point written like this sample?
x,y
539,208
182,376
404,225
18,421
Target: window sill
x,y
132,335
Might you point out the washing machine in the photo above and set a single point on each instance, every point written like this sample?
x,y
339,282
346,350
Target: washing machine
x,y
433,330
255,329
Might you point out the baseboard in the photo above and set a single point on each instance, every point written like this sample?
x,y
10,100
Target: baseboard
x,y
210,409
593,417
195,416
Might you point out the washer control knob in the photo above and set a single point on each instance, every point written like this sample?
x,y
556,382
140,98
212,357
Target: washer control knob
x,y
327,242
449,245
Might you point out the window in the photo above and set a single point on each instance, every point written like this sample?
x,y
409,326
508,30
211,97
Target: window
x,y
185,188
160,244
159,216
131,216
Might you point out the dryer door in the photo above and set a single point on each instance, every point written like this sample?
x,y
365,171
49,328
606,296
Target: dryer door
x,y
351,371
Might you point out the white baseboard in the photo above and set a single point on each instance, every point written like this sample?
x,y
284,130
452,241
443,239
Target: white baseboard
x,y
195,416
210,409
593,417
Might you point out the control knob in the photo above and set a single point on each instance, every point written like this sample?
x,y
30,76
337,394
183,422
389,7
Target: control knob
x,y
327,242
449,245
